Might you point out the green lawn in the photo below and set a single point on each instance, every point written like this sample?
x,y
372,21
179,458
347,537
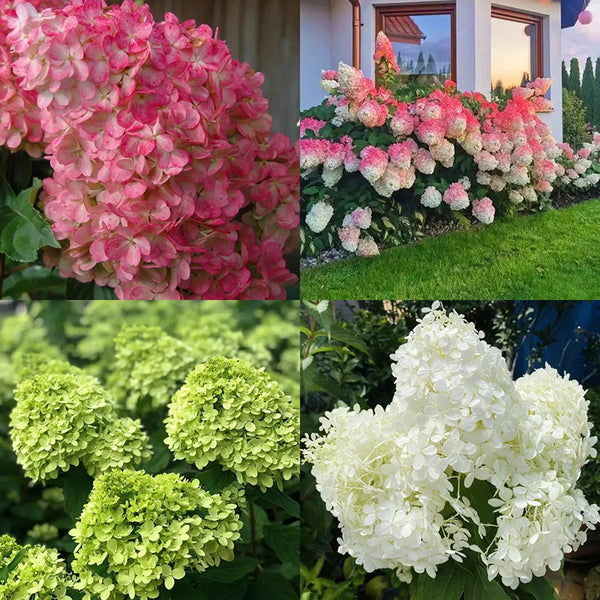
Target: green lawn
x,y
551,255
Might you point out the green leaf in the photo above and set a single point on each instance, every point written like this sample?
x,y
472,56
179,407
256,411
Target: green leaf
x,y
24,230
213,478
478,586
161,456
6,569
228,572
343,335
271,586
285,541
182,591
77,485
33,279
279,498
448,584
540,588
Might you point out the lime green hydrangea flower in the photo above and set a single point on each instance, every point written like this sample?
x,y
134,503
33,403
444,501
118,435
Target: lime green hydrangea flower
x,y
30,364
230,412
43,532
139,531
63,419
150,365
34,572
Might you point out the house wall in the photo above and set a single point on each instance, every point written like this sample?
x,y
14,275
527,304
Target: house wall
x,y
315,49
473,48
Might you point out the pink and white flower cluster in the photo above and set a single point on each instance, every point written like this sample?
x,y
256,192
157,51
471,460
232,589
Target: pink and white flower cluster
x,y
350,233
167,181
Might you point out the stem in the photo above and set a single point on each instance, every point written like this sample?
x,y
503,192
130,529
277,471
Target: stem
x,y
17,269
312,322
2,274
252,528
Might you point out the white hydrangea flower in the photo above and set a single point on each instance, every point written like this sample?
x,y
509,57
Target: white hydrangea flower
x,y
319,216
397,478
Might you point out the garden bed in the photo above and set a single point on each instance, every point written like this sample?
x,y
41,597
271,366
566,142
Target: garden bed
x,y
548,255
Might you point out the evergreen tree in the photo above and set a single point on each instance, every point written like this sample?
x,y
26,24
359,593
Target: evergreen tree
x,y
565,75
588,83
596,106
597,72
431,66
420,64
575,77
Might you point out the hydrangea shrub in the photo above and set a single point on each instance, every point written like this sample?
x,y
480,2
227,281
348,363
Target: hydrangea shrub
x,y
377,162
83,427
167,180
230,412
144,531
464,465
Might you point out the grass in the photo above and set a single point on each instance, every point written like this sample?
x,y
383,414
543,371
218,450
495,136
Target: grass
x,y
550,255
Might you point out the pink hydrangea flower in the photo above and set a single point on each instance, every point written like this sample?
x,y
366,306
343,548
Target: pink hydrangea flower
x,y
402,123
361,217
483,210
372,114
168,182
384,50
311,123
456,197
373,163
424,162
349,236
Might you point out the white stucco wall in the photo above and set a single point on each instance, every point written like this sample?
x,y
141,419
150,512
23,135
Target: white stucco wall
x,y
325,50
315,49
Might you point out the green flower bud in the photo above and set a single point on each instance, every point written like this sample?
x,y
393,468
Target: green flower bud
x,y
232,413
139,531
64,419
37,574
150,365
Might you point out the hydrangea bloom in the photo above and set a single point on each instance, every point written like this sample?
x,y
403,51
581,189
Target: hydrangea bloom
x,y
483,210
167,181
41,572
349,237
319,216
149,367
398,478
147,530
431,197
83,428
456,197
230,412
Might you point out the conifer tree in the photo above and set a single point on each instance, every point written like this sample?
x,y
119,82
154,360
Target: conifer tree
x,y
588,84
575,77
420,64
431,66
565,75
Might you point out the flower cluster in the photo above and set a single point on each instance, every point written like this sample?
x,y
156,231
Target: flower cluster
x,y
167,181
84,427
230,412
147,530
399,479
438,146
39,572
149,367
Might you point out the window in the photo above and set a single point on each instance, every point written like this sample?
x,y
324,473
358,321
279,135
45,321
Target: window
x,y
423,37
517,48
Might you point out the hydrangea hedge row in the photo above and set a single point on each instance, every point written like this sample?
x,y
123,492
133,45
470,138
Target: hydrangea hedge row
x,y
377,162
142,520
167,181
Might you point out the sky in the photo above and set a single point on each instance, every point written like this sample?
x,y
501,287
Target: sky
x,y
582,41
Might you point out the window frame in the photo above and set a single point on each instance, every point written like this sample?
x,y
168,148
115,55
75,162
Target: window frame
x,y
536,21
418,9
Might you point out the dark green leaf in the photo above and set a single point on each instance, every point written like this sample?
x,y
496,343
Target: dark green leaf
x,y
449,583
343,335
540,588
32,279
279,498
477,584
228,572
24,230
161,456
213,478
271,586
77,485
285,541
